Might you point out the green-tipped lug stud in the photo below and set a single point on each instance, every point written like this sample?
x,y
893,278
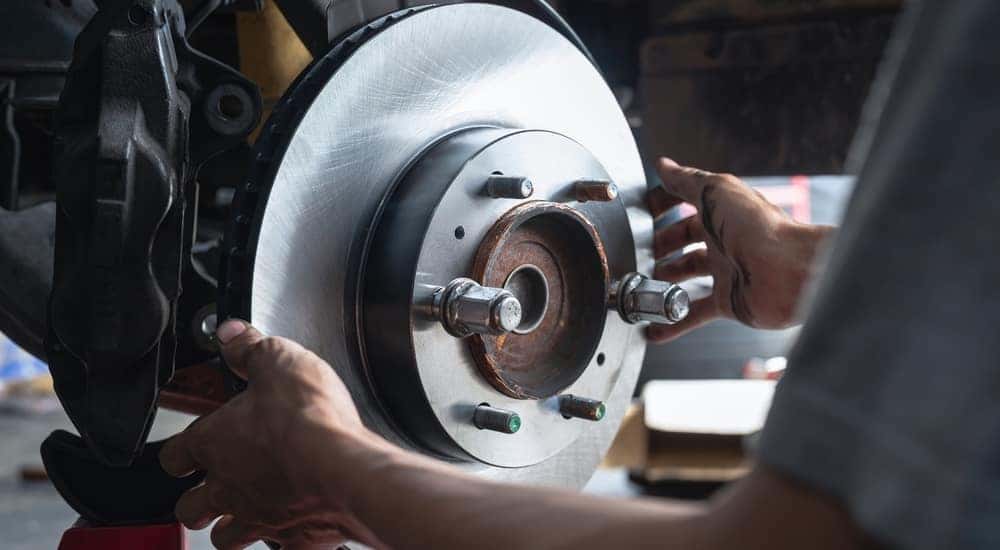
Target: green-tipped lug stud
x,y
572,406
497,420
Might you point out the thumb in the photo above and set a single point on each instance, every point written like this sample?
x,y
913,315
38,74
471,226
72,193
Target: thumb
x,y
237,339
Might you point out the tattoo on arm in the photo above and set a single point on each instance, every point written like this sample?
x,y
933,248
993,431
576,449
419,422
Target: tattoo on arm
x,y
738,297
708,204
740,276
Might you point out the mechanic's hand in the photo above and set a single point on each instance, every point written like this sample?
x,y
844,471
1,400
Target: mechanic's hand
x,y
758,256
267,453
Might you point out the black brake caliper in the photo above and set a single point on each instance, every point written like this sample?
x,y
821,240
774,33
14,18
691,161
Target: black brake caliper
x,y
140,113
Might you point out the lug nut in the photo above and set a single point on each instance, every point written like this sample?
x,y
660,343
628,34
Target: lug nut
x,y
465,307
643,299
595,190
509,187
572,406
497,420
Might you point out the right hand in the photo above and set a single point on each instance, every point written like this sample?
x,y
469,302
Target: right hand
x,y
759,258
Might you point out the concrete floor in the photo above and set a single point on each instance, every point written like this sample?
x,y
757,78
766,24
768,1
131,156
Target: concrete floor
x,y
33,515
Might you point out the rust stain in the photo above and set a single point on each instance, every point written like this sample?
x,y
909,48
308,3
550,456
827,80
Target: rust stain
x,y
566,247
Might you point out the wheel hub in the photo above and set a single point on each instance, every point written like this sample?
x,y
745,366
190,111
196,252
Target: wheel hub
x,y
441,224
552,258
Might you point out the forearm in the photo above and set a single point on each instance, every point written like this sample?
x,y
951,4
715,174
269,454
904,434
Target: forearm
x,y
412,502
409,501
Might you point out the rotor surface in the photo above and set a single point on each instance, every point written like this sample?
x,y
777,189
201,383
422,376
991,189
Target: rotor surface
x,y
347,132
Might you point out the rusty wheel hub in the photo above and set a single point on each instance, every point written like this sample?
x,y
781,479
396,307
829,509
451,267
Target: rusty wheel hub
x,y
551,258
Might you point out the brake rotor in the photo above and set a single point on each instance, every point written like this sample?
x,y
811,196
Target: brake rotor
x,y
369,197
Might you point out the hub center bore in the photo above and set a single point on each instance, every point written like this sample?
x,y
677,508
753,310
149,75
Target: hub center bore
x,y
550,256
529,285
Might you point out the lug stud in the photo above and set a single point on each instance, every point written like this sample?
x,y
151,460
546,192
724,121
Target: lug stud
x,y
509,187
595,191
465,307
640,298
572,406
497,420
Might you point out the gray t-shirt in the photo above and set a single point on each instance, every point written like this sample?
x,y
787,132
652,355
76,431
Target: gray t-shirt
x,y
891,402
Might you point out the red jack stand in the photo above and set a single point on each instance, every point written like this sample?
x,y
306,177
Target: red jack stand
x,y
168,536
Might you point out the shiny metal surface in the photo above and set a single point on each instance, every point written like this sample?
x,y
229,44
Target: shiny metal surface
x,y
203,328
429,75
529,285
641,299
678,305
566,363
465,307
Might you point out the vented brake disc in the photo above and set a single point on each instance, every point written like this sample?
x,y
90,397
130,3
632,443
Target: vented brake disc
x,y
446,207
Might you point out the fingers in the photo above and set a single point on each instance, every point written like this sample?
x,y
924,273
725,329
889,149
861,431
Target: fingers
x,y
184,453
678,235
177,457
194,509
659,201
197,508
236,340
691,265
231,533
702,312
682,181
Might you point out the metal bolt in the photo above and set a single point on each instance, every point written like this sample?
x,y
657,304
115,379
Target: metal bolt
x,y
643,299
595,190
572,406
209,324
509,187
203,328
497,420
465,307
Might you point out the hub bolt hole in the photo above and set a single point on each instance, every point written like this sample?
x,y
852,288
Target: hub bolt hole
x,y
230,106
137,15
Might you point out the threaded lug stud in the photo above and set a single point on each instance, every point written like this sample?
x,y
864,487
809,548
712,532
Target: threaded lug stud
x,y
497,420
573,406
